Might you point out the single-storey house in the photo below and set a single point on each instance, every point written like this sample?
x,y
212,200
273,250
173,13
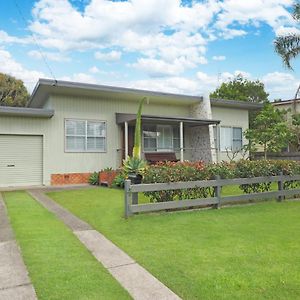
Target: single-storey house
x,y
69,130
290,104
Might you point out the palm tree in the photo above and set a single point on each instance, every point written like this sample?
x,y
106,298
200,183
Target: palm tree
x,y
288,47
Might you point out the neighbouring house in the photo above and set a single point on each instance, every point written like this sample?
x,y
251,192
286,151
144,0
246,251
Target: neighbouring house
x,y
69,130
292,106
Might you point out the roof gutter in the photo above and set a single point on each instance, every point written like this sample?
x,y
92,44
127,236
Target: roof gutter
x,y
26,112
236,104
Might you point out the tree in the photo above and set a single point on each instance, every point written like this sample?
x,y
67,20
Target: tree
x,y
295,131
270,130
288,47
12,91
241,89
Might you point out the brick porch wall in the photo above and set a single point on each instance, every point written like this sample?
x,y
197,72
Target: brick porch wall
x,y
69,178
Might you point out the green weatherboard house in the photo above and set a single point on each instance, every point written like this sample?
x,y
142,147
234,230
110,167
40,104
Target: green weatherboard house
x,y
69,130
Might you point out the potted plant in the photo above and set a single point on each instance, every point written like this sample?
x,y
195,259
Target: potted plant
x,y
134,168
106,176
135,165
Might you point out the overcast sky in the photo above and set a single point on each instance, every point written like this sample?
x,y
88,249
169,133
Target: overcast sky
x,y
176,46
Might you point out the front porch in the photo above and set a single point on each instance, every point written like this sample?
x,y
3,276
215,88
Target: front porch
x,y
186,138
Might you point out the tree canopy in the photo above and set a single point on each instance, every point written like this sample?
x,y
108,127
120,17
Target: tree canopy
x,y
241,89
270,130
12,91
288,46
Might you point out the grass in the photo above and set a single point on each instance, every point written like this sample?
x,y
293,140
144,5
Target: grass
x,y
59,266
241,252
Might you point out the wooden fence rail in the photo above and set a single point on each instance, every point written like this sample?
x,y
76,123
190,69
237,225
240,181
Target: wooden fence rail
x,y
131,193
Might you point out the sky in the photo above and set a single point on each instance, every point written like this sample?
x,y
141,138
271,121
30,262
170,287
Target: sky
x,y
185,47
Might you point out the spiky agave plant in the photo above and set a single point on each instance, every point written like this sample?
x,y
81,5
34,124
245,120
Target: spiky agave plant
x,y
134,165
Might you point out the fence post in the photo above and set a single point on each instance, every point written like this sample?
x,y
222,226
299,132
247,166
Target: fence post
x,y
280,187
127,198
217,192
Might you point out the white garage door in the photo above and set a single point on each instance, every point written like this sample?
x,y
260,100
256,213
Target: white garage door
x,y
21,160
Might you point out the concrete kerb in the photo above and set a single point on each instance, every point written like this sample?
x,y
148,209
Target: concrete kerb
x,y
50,188
6,233
14,280
135,279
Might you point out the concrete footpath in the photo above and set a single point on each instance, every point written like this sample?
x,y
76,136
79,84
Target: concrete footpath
x,y
14,280
134,278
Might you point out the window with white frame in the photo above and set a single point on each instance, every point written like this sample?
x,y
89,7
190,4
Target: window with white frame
x,y
85,136
237,138
230,138
161,138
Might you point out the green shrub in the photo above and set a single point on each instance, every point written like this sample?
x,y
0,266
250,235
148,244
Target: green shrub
x,y
119,180
94,178
223,169
248,169
174,172
193,171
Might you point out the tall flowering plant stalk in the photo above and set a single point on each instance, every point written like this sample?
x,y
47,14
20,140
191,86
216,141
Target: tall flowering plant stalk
x,y
137,148
135,164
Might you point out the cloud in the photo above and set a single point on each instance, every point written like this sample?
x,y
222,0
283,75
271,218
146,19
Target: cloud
x,y
111,56
150,27
179,85
159,32
281,84
162,38
228,34
219,58
167,67
94,70
287,30
242,13
9,65
54,56
8,39
80,77
158,68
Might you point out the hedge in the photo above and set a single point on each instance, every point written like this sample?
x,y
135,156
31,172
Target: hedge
x,y
192,171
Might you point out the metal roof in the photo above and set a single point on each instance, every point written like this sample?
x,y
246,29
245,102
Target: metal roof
x,y
130,118
285,102
236,104
26,112
45,87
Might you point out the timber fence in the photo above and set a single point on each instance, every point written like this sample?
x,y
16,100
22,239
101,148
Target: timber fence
x,y
217,200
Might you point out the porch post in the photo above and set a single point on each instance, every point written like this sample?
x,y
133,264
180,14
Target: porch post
x,y
126,139
217,142
181,141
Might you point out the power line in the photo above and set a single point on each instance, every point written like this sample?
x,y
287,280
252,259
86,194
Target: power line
x,y
36,42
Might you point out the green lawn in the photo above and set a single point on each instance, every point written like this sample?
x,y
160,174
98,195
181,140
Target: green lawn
x,y
241,252
60,267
